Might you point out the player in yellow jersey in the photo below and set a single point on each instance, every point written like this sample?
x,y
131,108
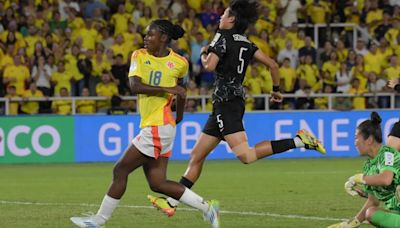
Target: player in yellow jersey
x,y
156,75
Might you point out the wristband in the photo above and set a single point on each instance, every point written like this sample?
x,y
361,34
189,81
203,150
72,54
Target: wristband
x,y
203,53
275,88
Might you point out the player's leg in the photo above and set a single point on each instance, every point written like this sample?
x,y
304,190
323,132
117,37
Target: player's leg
x,y
155,171
131,160
207,141
239,144
381,218
203,147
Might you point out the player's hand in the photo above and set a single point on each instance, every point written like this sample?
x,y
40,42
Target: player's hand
x,y
204,49
276,97
392,83
358,178
178,90
354,223
178,119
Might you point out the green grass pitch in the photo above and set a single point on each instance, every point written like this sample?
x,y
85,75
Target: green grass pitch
x,y
268,193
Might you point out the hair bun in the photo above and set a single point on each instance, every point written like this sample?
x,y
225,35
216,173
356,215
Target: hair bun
x,y
178,32
375,118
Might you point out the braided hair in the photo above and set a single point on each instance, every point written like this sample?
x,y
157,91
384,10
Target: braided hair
x,y
371,127
172,31
245,13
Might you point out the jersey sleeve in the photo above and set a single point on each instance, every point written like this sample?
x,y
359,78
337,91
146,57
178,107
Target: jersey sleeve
x,y
135,69
388,161
184,69
254,48
218,45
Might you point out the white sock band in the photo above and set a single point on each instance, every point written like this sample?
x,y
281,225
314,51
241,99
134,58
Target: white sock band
x,y
192,199
106,209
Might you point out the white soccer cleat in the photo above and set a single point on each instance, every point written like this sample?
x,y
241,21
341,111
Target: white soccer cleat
x,y
85,222
212,215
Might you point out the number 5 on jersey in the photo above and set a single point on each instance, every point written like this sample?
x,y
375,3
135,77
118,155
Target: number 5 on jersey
x,y
155,77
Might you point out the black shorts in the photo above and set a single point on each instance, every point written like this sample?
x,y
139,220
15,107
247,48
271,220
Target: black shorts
x,y
395,130
226,118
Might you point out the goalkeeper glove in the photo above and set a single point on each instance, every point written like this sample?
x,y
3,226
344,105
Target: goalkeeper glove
x,y
358,178
354,223
350,185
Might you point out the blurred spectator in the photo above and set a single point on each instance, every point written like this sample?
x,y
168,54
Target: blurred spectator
x,y
91,5
192,89
342,104
359,99
393,71
308,49
31,107
373,60
309,72
343,78
17,75
323,102
288,76
106,88
351,59
326,53
195,45
65,6
116,108
71,67
11,93
360,47
303,100
359,71
61,79
41,74
85,106
290,53
384,26
341,51
119,70
329,70
288,11
207,15
120,20
62,107
377,85
85,67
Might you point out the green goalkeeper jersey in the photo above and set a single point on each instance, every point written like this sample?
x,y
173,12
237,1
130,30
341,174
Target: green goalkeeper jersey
x,y
387,159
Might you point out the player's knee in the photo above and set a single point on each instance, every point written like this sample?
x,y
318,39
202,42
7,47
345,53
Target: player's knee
x,y
118,171
244,153
156,186
370,212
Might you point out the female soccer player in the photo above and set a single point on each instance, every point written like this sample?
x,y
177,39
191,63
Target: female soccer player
x,y
229,54
156,74
380,178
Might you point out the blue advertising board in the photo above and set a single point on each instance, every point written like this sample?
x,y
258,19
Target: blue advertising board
x,y
104,138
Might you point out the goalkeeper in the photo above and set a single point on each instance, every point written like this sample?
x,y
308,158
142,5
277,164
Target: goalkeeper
x,y
379,180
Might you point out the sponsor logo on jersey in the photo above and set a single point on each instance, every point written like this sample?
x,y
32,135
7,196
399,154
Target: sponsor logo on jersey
x,y
147,62
389,159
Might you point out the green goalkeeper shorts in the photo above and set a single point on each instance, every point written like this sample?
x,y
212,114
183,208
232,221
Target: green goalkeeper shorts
x,y
393,205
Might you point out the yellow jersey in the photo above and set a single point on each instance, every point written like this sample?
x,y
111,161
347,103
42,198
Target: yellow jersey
x,y
157,71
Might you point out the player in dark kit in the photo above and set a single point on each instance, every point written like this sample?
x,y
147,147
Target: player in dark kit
x,y
228,55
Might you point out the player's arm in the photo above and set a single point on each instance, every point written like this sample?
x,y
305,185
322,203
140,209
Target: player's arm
x,y
180,102
209,60
274,68
385,178
137,87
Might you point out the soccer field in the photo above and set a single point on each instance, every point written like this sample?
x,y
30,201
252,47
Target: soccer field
x,y
268,193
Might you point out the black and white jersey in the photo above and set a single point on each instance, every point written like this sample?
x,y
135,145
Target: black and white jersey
x,y
235,52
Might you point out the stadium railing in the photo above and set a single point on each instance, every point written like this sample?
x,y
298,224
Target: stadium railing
x,y
5,102
356,28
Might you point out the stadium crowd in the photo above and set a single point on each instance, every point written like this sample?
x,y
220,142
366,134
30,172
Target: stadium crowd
x,y
65,48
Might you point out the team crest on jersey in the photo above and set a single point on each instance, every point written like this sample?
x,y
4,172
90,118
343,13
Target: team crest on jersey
x,y
170,65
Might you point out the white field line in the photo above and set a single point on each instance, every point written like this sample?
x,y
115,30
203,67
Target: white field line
x,y
249,213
